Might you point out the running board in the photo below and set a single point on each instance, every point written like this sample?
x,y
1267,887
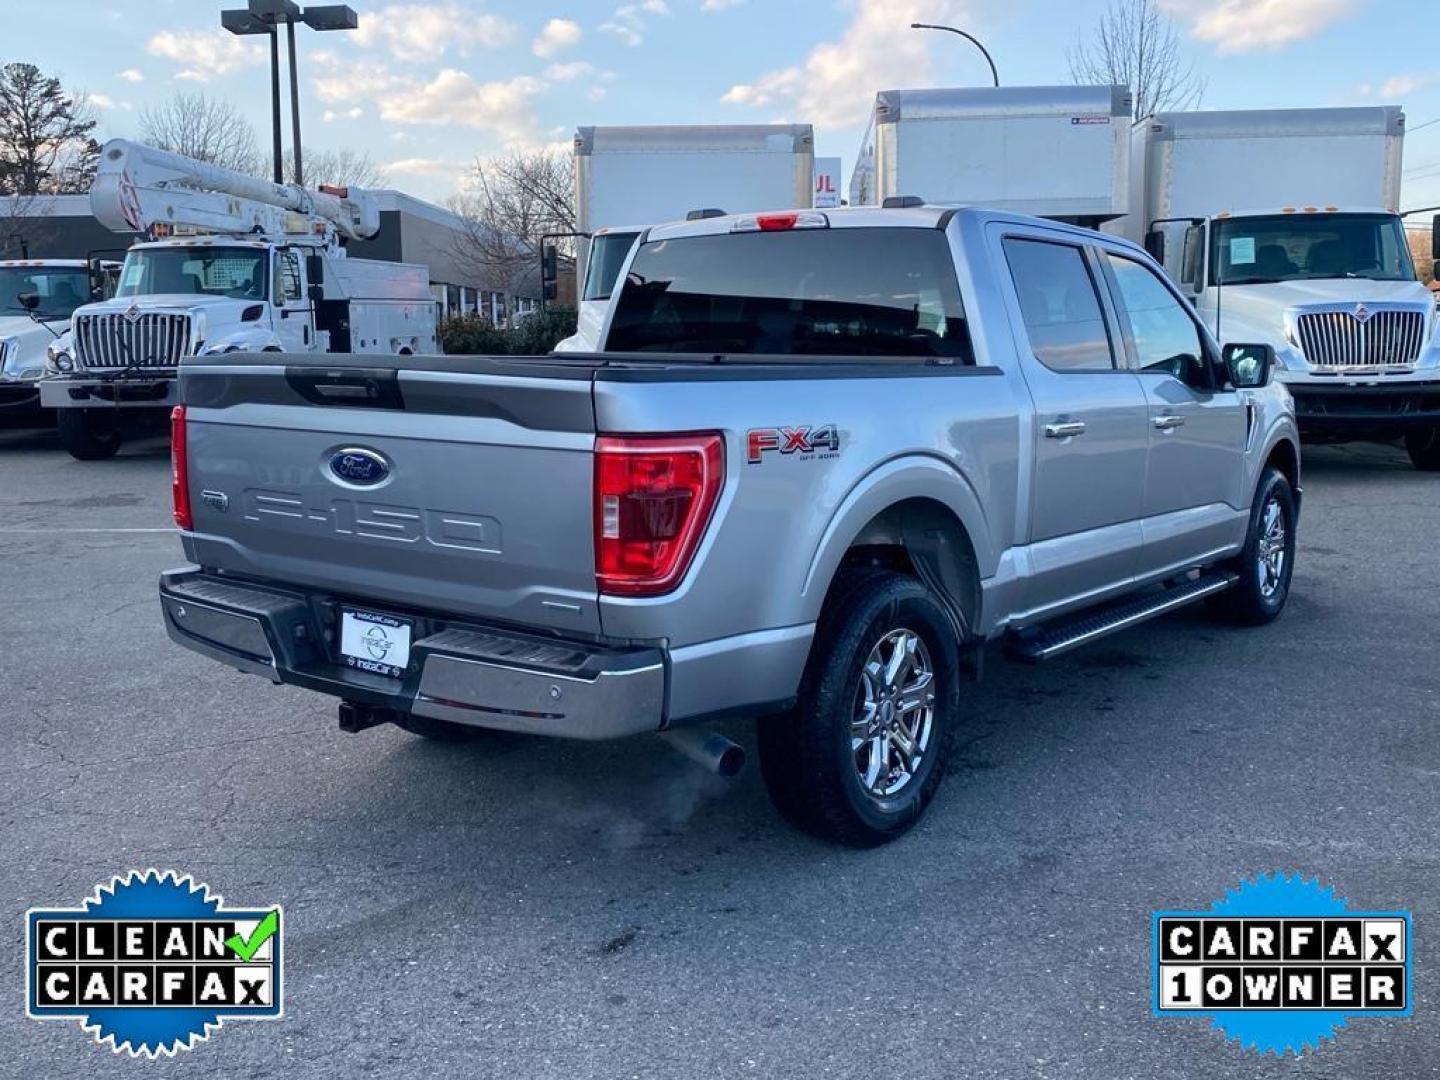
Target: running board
x,y
1051,640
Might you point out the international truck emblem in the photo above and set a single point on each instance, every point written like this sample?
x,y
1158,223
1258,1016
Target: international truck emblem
x,y
132,314
1361,314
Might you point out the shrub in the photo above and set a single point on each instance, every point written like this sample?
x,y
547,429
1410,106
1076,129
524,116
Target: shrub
x,y
540,331
472,334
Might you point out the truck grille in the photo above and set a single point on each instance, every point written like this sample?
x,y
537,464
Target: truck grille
x,y
1345,339
151,340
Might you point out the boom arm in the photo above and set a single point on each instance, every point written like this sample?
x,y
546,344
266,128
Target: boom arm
x,y
138,187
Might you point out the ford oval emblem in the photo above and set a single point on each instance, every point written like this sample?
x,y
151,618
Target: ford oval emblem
x,y
363,468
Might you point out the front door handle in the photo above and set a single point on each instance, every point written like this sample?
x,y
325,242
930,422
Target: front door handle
x,y
1065,429
1168,422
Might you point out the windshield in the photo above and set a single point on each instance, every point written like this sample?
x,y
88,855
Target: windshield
x,y
60,289
816,292
607,256
1304,247
239,273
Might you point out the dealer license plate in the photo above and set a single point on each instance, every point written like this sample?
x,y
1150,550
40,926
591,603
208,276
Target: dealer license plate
x,y
373,642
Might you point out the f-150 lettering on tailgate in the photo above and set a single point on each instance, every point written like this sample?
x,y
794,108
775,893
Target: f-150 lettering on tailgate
x,y
376,521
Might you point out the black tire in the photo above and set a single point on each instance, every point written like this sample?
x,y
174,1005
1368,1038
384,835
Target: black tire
x,y
1260,597
438,730
807,759
89,434
1423,445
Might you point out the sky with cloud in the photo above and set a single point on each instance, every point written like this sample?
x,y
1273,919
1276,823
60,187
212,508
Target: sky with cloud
x,y
427,87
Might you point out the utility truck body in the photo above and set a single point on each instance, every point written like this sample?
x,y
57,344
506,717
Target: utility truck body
x,y
627,178
232,264
1283,226
1060,152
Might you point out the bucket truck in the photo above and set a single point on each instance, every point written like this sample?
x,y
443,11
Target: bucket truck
x,y
230,263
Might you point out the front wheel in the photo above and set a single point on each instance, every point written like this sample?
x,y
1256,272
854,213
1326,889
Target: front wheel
x,y
861,755
1424,447
89,434
1266,563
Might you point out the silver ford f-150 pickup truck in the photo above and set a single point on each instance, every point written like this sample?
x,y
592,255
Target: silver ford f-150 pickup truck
x,y
824,459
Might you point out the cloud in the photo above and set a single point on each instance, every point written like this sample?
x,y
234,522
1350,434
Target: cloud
x,y
576,69
132,75
206,54
719,5
105,101
331,115
596,93
416,32
555,36
453,98
628,22
1235,26
1399,86
424,167
836,83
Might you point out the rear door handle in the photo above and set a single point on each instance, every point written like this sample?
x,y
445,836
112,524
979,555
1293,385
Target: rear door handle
x,y
1065,429
1168,422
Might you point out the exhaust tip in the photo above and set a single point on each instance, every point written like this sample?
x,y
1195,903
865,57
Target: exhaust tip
x,y
713,752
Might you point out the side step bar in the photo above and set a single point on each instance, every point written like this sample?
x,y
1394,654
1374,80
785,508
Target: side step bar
x,y
1051,640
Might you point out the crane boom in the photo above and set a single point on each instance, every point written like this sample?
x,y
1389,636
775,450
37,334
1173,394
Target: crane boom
x,y
139,187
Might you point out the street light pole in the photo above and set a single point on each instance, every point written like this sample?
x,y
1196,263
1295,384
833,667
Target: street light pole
x,y
265,17
968,37
295,106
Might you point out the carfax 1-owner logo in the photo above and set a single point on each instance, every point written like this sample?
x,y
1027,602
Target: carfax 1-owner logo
x,y
1281,963
152,962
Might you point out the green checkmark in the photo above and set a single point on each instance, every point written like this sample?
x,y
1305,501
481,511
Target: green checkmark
x,y
246,948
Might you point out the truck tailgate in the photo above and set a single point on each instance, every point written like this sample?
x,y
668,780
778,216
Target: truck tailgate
x,y
459,484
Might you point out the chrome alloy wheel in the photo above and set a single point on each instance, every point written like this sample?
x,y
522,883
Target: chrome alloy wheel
x,y
1270,552
894,713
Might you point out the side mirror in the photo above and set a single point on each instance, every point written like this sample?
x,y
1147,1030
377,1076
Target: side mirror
x,y
1249,365
549,264
1155,245
550,291
1435,238
30,301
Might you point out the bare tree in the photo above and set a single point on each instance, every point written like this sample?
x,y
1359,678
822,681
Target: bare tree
x,y
512,203
203,128
46,145
342,168
1135,44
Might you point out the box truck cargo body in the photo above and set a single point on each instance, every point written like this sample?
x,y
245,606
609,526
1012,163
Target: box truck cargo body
x,y
629,178
1054,151
1283,227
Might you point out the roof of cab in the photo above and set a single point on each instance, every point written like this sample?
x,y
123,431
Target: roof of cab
x,y
927,216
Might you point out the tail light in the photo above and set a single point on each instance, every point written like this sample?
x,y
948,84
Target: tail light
x,y
654,495
180,469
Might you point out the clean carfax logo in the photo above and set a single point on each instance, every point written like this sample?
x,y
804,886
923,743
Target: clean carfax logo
x,y
152,962
1281,963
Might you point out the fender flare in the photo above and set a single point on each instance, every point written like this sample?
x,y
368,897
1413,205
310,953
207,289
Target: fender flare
x,y
900,479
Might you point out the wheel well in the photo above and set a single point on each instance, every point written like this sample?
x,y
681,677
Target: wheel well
x,y
1285,458
924,538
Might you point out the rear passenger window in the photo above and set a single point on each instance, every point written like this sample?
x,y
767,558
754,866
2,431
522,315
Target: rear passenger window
x,y
1061,308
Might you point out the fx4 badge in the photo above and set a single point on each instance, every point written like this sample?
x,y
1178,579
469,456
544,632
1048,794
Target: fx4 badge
x,y
817,443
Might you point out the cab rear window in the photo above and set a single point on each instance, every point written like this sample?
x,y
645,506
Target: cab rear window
x,y
813,292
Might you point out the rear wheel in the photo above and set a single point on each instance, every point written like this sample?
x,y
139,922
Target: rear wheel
x,y
1424,447
1267,562
89,434
862,754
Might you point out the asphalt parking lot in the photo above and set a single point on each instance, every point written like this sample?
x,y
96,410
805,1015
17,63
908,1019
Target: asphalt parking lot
x,y
537,909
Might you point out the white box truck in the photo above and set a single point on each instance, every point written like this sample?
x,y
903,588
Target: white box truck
x,y
629,178
1283,227
1059,152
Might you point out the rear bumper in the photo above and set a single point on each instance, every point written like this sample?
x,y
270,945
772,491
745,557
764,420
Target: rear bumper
x,y
68,392
460,672
1384,408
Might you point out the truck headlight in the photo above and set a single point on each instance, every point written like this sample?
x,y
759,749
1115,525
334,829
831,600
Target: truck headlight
x,y
58,360
9,354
